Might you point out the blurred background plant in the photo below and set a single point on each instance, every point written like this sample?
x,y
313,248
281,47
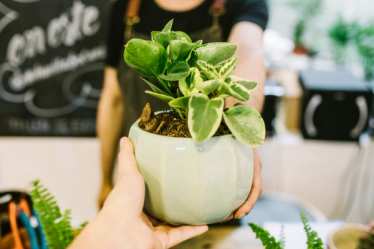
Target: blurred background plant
x,y
306,11
364,43
340,34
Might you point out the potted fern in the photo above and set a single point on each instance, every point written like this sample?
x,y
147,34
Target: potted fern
x,y
196,156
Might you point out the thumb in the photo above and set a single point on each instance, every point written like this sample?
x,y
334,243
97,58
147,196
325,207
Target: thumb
x,y
126,158
177,235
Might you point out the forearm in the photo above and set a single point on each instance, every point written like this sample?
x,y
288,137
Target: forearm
x,y
109,129
251,66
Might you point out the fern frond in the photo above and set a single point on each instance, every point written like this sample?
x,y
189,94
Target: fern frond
x,y
268,241
55,224
313,240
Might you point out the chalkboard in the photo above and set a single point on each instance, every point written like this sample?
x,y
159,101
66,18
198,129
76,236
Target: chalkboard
x,y
51,61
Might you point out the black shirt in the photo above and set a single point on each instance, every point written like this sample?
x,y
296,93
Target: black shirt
x,y
154,17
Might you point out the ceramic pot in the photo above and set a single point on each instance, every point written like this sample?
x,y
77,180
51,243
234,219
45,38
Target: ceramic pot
x,y
347,237
190,183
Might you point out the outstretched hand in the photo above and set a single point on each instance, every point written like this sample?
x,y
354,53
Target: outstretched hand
x,y
122,224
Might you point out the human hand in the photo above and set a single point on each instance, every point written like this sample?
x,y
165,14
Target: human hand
x,y
122,224
255,190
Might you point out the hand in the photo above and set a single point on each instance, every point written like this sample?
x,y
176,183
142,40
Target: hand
x,y
255,191
106,188
122,224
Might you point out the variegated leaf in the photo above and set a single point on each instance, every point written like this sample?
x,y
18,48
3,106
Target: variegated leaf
x,y
235,90
209,71
181,103
204,116
250,85
246,124
209,86
228,67
215,52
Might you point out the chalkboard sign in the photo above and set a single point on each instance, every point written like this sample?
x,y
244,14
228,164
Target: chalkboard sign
x,y
51,61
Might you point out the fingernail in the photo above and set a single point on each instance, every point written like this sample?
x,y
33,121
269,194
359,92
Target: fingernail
x,y
123,142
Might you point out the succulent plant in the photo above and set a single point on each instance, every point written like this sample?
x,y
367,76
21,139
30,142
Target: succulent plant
x,y
195,79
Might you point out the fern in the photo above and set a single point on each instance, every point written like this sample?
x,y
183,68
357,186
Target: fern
x,y
268,241
313,240
55,224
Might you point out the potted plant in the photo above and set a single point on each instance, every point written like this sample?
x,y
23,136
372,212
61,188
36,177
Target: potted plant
x,y
196,157
307,10
364,42
340,34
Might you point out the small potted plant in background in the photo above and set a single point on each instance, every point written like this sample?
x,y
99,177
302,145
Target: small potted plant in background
x,y
307,10
364,42
340,34
196,157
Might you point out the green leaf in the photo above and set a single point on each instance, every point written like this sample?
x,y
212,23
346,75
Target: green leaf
x,y
168,26
160,96
313,240
250,85
146,57
153,87
235,90
177,71
268,241
164,38
228,67
180,50
184,87
181,103
208,70
204,116
246,124
209,86
216,52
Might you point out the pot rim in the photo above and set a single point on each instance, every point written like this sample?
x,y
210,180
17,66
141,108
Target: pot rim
x,y
136,126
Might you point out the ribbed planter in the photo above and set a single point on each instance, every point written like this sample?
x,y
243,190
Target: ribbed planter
x,y
190,183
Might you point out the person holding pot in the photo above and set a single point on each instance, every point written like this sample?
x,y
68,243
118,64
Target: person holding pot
x,y
239,21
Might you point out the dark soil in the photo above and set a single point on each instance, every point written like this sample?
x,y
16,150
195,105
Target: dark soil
x,y
169,124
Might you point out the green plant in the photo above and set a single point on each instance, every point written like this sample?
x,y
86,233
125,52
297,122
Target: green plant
x,y
341,33
270,242
306,9
313,241
195,79
55,224
364,42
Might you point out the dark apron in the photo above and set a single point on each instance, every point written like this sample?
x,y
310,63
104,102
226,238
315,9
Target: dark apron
x,y
132,86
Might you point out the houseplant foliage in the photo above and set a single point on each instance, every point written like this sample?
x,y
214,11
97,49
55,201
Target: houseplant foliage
x,y
341,33
200,171
270,242
195,79
364,42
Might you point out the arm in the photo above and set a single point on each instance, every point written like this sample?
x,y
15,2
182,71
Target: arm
x,y
109,128
249,39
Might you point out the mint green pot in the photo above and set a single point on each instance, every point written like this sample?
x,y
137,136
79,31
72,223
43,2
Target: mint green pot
x,y
190,183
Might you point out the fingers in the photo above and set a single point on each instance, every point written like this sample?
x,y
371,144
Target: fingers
x,y
173,236
255,191
126,158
